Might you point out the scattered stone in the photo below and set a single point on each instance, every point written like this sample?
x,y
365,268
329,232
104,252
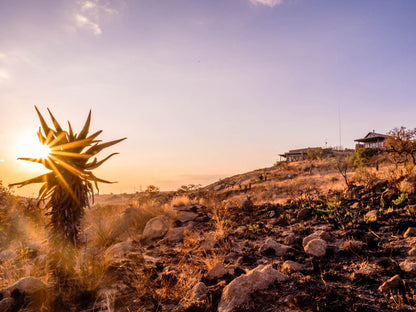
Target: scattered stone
x,y
356,205
247,205
304,214
290,239
209,242
292,266
392,283
412,252
273,246
318,234
238,291
352,244
371,216
185,216
411,231
241,229
408,266
199,292
156,227
175,235
216,272
379,186
388,195
118,251
407,187
316,247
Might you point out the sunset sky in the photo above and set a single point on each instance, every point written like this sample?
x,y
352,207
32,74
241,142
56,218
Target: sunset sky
x,y
203,89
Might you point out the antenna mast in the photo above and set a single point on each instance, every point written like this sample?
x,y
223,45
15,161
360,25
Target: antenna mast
x,y
339,125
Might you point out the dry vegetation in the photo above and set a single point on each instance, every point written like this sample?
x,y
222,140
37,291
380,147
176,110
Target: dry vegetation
x,y
224,227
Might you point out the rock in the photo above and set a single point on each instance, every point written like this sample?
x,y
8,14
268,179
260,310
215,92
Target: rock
x,y
273,246
408,266
209,242
379,186
241,229
371,216
118,251
290,239
175,235
407,187
303,214
199,292
239,290
29,292
185,216
392,283
356,205
411,231
7,304
216,272
316,247
156,227
247,205
292,266
388,195
412,252
352,244
318,234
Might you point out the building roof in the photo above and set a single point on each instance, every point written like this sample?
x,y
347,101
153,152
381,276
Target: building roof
x,y
298,151
372,137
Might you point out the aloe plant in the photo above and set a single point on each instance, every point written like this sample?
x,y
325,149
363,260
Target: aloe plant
x,y
70,183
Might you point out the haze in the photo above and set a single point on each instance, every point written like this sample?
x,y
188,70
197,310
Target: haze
x,y
203,89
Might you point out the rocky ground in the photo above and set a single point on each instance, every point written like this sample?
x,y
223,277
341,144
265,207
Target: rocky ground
x,y
340,251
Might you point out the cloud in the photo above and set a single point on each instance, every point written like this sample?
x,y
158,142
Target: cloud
x,y
269,3
83,22
4,75
89,15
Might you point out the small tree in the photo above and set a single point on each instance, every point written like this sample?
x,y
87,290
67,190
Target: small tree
x,y
401,145
69,184
345,164
152,190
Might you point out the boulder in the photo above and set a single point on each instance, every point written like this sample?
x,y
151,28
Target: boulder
x,y
316,247
239,290
156,227
274,247
29,292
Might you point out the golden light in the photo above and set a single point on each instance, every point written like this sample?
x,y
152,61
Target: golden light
x,y
28,145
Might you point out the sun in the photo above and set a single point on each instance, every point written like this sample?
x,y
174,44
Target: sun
x,y
28,145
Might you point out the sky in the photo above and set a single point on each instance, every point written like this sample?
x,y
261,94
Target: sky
x,y
203,89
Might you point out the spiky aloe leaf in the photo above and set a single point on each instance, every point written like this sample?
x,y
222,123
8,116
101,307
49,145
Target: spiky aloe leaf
x,y
70,182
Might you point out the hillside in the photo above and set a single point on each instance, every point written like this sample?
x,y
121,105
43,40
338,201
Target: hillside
x,y
286,238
